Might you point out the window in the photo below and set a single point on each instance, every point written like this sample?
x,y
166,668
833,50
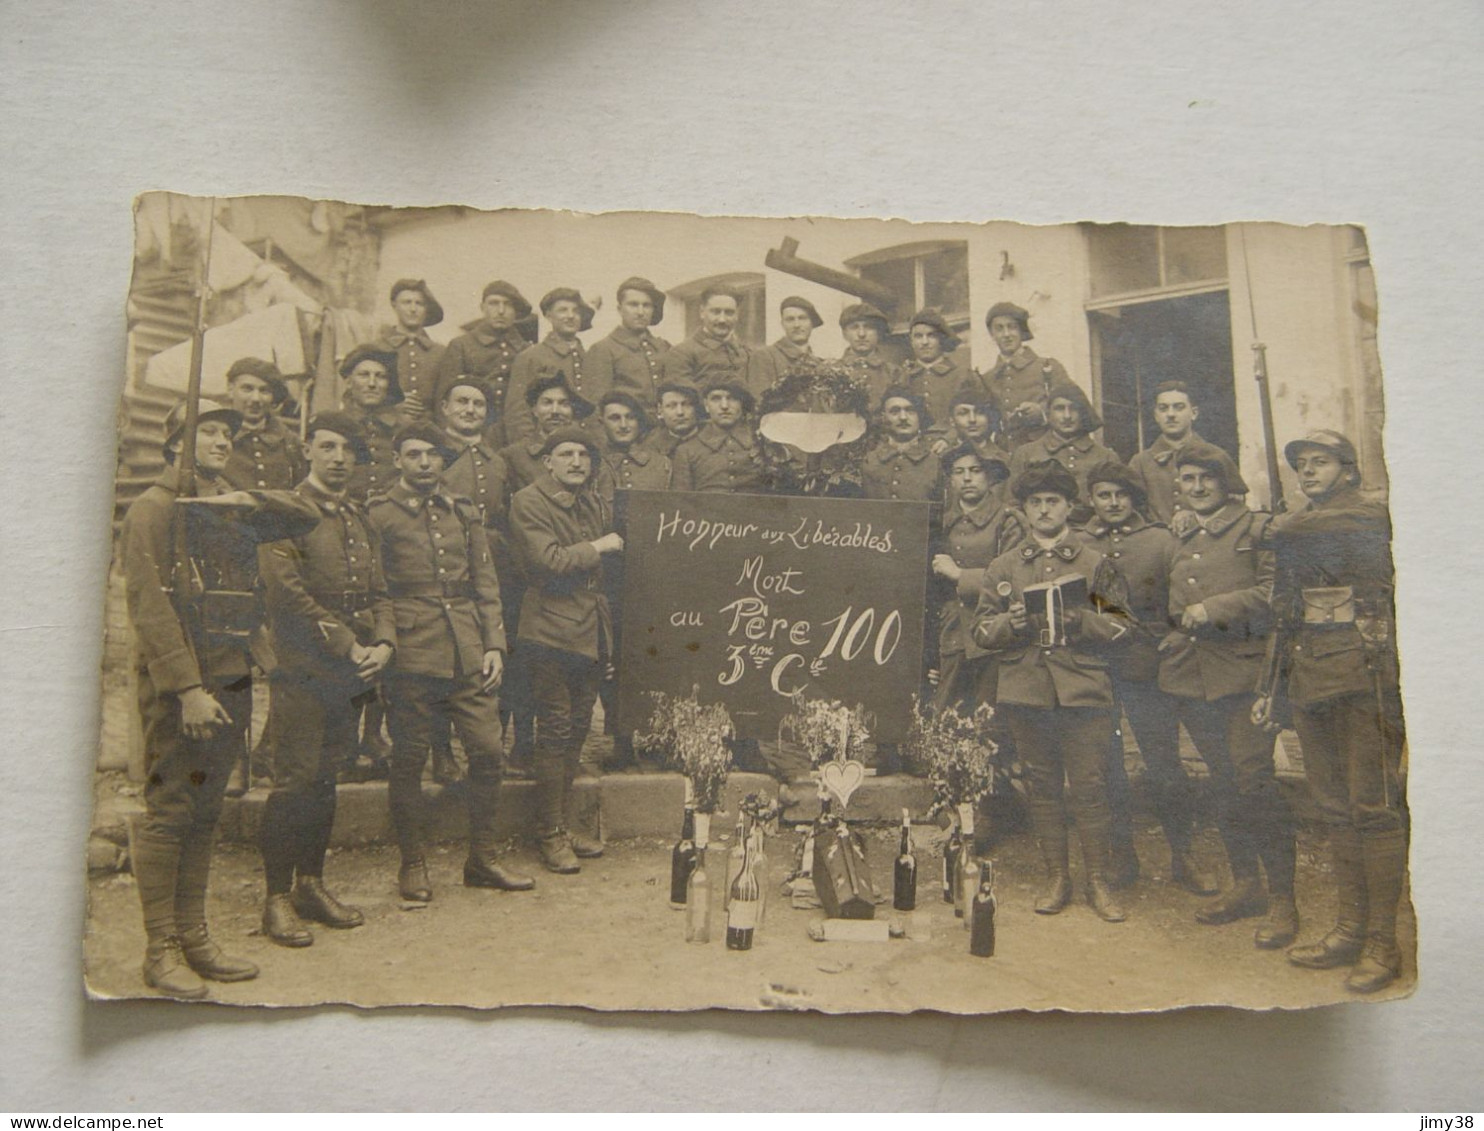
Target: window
x,y
1130,259
918,275
752,319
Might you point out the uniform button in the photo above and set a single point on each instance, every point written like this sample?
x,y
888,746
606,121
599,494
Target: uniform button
x,y
1190,581
352,559
1118,553
1196,554
442,570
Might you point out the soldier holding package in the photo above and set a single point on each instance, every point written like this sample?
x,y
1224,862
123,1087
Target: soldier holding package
x,y
192,615
1338,651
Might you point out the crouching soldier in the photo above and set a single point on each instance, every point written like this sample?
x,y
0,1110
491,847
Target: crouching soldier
x,y
562,526
190,568
1335,586
450,654
333,635
1053,679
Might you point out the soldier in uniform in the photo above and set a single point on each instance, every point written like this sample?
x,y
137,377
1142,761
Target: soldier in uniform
x,y
450,655
333,635
192,619
936,370
553,404
864,327
1335,595
1221,586
417,354
1020,380
724,455
1175,412
265,452
559,354
903,465
680,416
1068,441
1139,550
714,352
790,353
489,348
563,528
629,359
1054,687
974,420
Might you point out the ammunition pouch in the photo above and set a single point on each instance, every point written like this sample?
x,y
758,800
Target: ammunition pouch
x,y
1332,606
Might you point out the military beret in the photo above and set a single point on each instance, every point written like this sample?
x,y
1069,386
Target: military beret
x,y
568,294
569,435
1116,471
209,410
863,312
928,316
388,361
1048,476
1010,310
628,400
264,371
1199,453
448,384
802,304
1336,443
902,393
581,407
735,387
994,467
689,392
428,433
656,296
435,308
1066,389
518,300
971,393
342,424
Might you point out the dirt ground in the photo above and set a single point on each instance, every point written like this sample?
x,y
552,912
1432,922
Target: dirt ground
x,y
609,940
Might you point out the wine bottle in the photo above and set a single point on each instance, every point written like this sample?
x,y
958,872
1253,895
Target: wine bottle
x,y
760,869
951,853
742,903
683,859
735,856
904,875
981,930
964,879
698,890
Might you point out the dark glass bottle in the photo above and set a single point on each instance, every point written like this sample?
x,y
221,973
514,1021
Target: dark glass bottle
x,y
904,875
951,853
981,913
744,896
683,859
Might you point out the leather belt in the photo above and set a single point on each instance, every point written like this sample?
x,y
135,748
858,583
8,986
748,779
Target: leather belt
x,y
438,589
346,601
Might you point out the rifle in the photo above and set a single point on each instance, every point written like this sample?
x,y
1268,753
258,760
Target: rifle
x,y
1276,502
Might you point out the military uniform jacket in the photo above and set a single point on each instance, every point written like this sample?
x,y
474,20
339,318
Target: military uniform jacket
x,y
418,357
632,468
903,471
270,458
565,606
325,591
224,572
1022,377
1032,674
875,368
1156,472
1344,541
629,363
701,358
973,538
377,427
719,459
663,442
1140,552
480,474
523,464
772,363
1219,563
441,577
554,356
936,384
1078,455
488,354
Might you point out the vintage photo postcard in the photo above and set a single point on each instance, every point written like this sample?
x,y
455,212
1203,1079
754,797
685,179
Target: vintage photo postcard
x,y
654,611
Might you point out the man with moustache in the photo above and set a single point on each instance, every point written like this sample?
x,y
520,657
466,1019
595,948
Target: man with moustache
x,y
790,353
1221,586
489,348
714,353
680,415
724,455
333,635
1175,412
902,465
552,404
864,328
559,354
265,452
1336,598
563,529
1138,549
1054,688
936,370
450,656
192,616
629,360
1020,380
418,355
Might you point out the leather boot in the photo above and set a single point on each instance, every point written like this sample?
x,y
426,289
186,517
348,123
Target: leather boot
x,y
210,961
313,902
1186,872
556,853
1280,926
482,868
1245,900
1380,964
1102,900
1342,945
1384,855
1338,948
1057,893
584,848
1172,808
413,884
165,969
281,923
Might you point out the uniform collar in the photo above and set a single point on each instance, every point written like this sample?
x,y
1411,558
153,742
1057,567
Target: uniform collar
x,y
1162,451
1067,547
1186,523
399,337
630,339
917,451
980,515
1022,358
873,360
387,418
488,335
791,351
561,496
326,500
410,501
461,445
561,346
715,437
706,341
940,367
205,487
1099,529
634,452
1054,443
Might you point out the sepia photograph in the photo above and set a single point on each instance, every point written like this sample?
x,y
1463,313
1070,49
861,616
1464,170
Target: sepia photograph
x,y
654,611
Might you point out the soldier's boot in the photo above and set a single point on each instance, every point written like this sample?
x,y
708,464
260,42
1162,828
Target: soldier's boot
x,y
1342,945
1245,899
1278,852
1385,858
156,862
405,800
556,852
482,868
1173,810
1123,866
1094,832
583,847
201,952
552,786
313,901
1051,834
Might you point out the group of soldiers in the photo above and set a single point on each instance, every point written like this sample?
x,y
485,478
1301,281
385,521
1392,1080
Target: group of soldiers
x,y
444,549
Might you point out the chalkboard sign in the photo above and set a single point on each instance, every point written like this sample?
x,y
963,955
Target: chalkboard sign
x,y
756,597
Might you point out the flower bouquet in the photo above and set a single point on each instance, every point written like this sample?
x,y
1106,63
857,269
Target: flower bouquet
x,y
694,739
